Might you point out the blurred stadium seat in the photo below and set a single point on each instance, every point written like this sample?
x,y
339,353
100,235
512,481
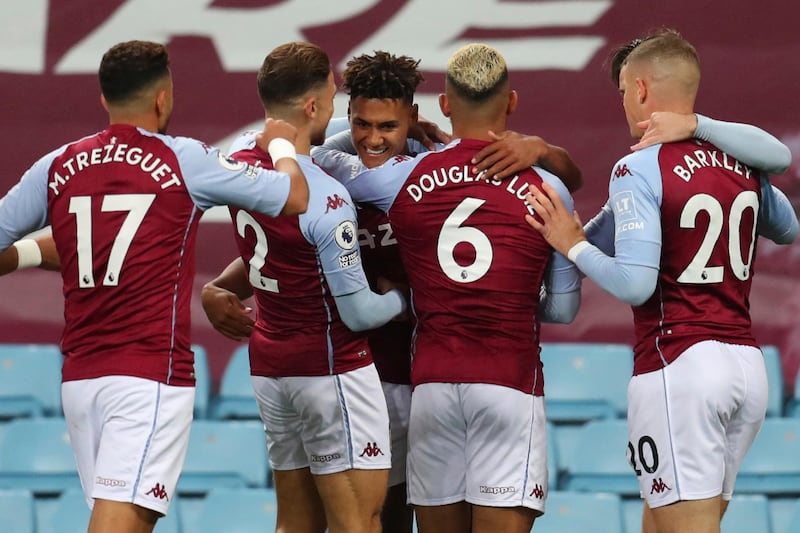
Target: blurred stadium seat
x,y
224,453
566,438
202,377
746,514
36,455
632,514
239,511
784,514
552,458
772,360
793,406
772,466
599,461
236,398
585,381
579,512
30,380
16,510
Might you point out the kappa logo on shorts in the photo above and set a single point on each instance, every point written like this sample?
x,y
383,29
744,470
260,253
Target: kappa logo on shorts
x,y
108,482
158,491
371,450
497,490
659,486
325,458
537,492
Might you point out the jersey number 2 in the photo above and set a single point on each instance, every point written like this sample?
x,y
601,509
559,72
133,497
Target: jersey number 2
x,y
243,220
81,206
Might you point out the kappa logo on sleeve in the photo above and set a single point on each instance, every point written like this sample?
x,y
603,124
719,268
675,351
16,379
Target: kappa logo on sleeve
x,y
622,170
346,235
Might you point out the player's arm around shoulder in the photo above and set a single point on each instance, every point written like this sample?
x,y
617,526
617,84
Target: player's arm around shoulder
x,y
777,219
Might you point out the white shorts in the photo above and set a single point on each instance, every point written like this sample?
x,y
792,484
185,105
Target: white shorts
x,y
129,436
691,423
328,423
398,402
479,443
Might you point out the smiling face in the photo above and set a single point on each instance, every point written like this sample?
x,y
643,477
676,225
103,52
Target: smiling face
x,y
379,128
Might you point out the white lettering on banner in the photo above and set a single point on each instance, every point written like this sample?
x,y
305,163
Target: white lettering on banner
x,y
430,31
241,36
23,33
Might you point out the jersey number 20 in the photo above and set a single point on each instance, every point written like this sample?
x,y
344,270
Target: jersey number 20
x,y
698,270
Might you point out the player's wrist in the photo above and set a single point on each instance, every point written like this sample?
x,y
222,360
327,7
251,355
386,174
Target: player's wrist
x,y
279,148
577,248
28,253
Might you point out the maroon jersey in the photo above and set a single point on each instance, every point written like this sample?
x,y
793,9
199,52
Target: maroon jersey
x,y
391,343
298,331
111,225
709,208
474,265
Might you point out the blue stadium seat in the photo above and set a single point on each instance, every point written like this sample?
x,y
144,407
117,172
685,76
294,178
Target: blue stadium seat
x,y
30,380
552,458
236,398
566,441
793,406
36,455
245,511
784,514
224,453
772,360
772,466
599,461
16,508
632,514
578,512
585,381
747,514
202,377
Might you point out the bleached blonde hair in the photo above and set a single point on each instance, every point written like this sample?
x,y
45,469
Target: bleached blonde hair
x,y
477,71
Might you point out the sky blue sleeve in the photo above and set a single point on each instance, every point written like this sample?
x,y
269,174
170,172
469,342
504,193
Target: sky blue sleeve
x,y
24,208
600,229
336,158
777,220
337,125
635,200
562,282
365,309
334,233
751,145
380,186
212,178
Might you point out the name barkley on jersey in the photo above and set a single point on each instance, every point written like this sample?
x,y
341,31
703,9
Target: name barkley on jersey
x,y
442,177
115,153
709,158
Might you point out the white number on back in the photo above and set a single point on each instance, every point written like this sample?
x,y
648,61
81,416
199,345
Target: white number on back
x,y
453,233
81,206
698,270
243,220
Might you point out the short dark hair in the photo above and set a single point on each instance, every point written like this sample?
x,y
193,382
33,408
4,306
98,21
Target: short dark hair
x,y
663,42
129,67
290,71
382,75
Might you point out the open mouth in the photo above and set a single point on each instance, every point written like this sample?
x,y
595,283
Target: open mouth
x,y
376,151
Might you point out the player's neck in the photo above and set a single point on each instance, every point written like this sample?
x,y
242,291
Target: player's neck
x,y
146,122
477,130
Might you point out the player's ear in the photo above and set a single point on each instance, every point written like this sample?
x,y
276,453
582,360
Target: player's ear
x,y
513,100
103,102
161,101
641,90
348,111
310,106
414,113
444,105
